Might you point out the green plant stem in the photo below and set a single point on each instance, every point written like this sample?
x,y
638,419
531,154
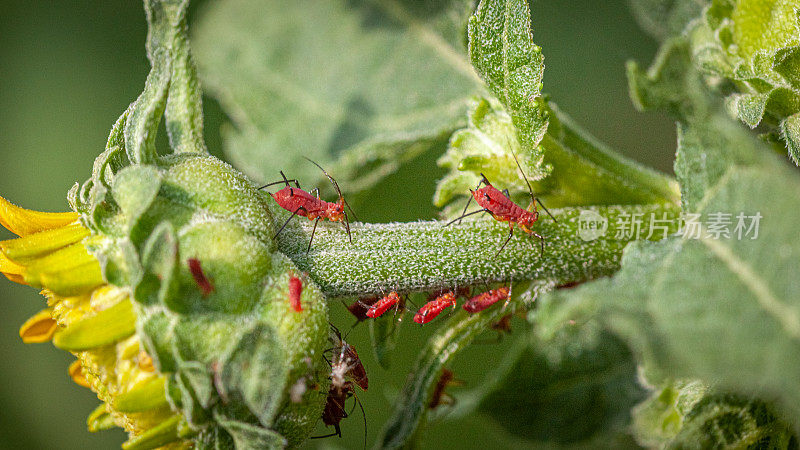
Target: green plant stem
x,y
426,255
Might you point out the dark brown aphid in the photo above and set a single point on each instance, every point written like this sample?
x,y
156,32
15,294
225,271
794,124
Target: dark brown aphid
x,y
439,396
199,277
347,371
334,410
360,307
346,365
503,325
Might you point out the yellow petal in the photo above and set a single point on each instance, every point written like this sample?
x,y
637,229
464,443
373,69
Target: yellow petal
x,y
12,270
74,281
45,267
23,222
42,243
76,373
39,328
104,328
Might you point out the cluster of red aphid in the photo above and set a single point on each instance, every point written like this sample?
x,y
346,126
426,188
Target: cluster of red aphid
x,y
437,302
347,371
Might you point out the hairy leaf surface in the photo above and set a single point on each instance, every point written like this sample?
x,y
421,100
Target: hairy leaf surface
x,y
363,84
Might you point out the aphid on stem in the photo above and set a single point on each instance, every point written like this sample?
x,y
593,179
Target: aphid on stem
x,y
360,307
433,308
439,396
486,299
500,206
206,288
347,371
295,292
387,302
302,203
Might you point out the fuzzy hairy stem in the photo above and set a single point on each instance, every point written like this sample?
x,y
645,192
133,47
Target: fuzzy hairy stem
x,y
426,255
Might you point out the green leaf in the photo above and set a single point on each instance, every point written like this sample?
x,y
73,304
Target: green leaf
x,y
665,18
256,370
366,84
502,51
248,437
730,421
657,420
690,415
575,388
712,308
754,44
564,164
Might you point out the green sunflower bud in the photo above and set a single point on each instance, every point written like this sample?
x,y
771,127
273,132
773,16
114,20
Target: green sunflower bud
x,y
168,285
192,240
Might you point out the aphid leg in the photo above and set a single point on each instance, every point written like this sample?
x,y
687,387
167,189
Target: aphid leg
x,y
505,192
541,238
543,207
510,235
315,192
458,219
301,208
337,432
347,226
313,230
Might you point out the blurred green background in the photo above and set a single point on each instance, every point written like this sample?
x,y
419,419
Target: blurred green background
x,y
69,68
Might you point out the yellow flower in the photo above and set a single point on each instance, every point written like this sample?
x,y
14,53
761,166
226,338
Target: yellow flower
x,y
90,318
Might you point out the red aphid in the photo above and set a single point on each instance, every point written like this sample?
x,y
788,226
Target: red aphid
x,y
485,300
433,308
199,277
295,292
302,203
503,209
384,304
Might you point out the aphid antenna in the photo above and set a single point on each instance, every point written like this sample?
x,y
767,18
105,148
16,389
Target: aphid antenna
x,y
534,199
485,181
458,219
341,197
